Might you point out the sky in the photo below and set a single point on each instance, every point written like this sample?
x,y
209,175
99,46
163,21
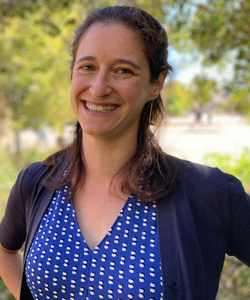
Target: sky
x,y
185,68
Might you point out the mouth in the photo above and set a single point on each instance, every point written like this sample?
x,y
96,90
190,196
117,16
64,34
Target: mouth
x,y
100,108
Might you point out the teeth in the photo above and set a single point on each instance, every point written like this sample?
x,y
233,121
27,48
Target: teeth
x,y
100,108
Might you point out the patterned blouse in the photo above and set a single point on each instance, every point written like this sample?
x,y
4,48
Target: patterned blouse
x,y
125,265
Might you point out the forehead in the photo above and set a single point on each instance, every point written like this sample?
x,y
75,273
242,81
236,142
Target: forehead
x,y
111,40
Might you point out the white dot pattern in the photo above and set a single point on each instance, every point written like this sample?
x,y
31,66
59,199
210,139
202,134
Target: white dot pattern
x,y
125,265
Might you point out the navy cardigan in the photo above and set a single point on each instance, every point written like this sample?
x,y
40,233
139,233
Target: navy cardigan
x,y
204,217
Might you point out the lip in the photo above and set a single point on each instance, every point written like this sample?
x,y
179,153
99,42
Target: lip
x,y
99,104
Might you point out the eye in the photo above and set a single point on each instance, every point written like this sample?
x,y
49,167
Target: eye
x,y
124,71
87,68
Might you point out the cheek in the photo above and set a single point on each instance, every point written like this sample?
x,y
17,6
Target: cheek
x,y
76,86
76,89
72,102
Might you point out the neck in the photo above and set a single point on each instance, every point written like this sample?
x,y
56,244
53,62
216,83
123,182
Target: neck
x,y
103,159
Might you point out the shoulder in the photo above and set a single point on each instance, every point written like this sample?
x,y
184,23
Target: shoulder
x,y
32,179
202,184
37,172
33,171
28,182
31,176
209,189
218,196
19,206
215,204
205,176
196,174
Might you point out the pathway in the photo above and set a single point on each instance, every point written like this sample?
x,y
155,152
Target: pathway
x,y
226,135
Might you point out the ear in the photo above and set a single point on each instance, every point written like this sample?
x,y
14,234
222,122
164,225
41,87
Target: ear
x,y
158,85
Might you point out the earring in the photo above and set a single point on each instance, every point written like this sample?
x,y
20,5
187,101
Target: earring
x,y
150,113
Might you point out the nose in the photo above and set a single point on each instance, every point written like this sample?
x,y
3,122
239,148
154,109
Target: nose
x,y
100,86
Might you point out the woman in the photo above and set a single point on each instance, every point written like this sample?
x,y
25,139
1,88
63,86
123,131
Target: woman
x,y
112,216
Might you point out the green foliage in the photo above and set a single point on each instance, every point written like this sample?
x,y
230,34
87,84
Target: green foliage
x,y
35,38
10,9
235,278
176,98
240,101
219,31
34,75
202,89
235,281
4,293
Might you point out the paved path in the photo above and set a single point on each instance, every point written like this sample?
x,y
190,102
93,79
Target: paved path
x,y
226,135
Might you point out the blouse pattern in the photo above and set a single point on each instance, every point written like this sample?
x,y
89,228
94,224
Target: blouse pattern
x,y
125,265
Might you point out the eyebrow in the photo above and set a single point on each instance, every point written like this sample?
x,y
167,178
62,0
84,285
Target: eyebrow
x,y
123,61
85,58
129,62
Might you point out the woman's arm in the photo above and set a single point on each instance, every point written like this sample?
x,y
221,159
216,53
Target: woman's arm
x,y
11,268
239,220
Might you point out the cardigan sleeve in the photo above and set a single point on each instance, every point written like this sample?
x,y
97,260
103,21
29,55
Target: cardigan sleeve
x,y
221,212
13,227
239,220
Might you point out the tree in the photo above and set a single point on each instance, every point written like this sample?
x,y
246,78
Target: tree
x,y
219,31
202,89
34,75
34,40
24,8
176,98
34,71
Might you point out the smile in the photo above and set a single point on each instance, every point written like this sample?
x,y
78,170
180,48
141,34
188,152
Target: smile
x,y
100,108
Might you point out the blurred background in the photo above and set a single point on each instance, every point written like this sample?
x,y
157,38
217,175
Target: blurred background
x,y
207,96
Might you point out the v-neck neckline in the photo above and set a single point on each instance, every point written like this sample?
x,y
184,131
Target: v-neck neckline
x,y
109,232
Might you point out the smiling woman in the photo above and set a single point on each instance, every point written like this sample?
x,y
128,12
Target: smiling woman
x,y
112,216
111,83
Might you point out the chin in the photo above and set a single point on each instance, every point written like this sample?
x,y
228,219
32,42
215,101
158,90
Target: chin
x,y
95,132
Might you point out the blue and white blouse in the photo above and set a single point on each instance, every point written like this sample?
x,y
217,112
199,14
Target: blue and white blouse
x,y
125,265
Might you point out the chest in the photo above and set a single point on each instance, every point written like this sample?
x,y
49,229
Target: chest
x,y
124,265
95,214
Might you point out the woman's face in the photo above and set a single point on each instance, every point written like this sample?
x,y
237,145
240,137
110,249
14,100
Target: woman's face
x,y
111,82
